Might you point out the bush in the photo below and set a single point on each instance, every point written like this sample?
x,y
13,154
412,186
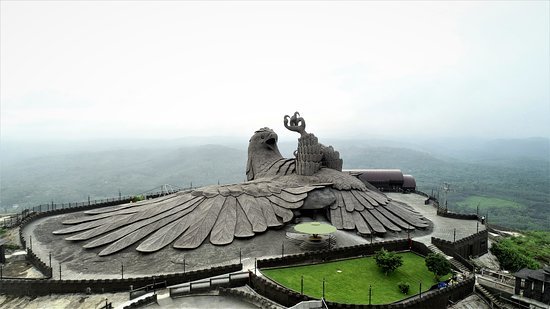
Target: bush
x,y
438,265
510,257
387,261
404,287
138,198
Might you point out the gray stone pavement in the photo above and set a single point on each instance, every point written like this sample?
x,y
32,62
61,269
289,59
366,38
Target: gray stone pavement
x,y
79,263
443,228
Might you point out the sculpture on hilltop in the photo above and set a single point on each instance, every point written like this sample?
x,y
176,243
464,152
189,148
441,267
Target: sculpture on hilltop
x,y
275,190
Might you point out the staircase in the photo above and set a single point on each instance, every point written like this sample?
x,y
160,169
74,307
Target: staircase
x,y
451,260
492,300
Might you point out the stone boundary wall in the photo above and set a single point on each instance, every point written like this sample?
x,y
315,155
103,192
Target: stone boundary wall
x,y
38,287
473,245
430,299
455,215
451,248
343,253
39,264
31,257
275,292
287,297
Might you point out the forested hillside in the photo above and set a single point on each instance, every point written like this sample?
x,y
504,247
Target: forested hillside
x,y
512,188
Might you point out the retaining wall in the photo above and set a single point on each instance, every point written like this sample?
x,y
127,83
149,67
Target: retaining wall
x,y
45,287
342,253
431,299
275,292
287,297
473,245
455,215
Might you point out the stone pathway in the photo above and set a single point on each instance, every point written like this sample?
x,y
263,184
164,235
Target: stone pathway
x,y
443,227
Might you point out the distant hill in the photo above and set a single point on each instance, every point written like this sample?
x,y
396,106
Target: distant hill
x,y
496,173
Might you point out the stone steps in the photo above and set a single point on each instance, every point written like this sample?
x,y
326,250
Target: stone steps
x,y
451,260
495,303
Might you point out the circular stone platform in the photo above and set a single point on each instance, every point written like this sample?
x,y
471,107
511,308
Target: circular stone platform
x,y
80,263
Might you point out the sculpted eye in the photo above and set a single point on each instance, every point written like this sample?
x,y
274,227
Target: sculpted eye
x,y
263,137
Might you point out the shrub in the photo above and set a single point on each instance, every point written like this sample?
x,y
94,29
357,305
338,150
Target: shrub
x,y
510,258
138,198
387,261
404,287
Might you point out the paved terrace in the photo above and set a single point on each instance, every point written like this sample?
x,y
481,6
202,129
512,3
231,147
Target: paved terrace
x,y
79,263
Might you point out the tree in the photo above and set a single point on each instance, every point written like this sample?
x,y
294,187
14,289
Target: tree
x,y
387,261
438,265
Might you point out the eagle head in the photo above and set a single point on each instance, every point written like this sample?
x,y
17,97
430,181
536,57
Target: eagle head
x,y
262,151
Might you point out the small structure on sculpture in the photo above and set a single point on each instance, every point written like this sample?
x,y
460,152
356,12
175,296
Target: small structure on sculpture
x,y
275,188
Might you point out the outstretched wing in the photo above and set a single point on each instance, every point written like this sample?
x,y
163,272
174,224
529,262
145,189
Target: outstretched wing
x,y
186,219
371,212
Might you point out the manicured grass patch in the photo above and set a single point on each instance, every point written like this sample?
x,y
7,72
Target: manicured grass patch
x,y
348,281
487,203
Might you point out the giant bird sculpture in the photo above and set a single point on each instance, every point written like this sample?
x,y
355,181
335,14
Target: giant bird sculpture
x,y
275,189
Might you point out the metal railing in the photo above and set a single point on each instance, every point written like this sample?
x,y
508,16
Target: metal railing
x,y
15,219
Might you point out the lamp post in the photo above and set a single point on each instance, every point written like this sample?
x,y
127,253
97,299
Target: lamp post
x,y
323,288
454,235
370,293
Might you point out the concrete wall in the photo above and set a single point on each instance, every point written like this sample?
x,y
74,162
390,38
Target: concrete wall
x,y
44,286
473,245
431,299
342,253
471,216
287,297
276,293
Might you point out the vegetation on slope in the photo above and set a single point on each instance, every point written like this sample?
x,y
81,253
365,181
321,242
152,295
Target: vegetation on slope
x,y
531,250
511,186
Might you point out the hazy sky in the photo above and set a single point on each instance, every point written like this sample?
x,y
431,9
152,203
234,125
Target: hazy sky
x,y
96,69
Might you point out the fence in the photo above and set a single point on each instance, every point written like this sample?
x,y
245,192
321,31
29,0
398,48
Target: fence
x,y
135,293
39,287
35,287
57,208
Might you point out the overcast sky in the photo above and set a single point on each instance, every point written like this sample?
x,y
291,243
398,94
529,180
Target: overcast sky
x,y
81,70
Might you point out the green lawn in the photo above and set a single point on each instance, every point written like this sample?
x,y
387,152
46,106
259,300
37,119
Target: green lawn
x,y
487,203
348,281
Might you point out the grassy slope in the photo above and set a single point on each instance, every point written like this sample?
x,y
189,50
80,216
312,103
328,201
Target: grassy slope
x,y
486,203
533,244
351,285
